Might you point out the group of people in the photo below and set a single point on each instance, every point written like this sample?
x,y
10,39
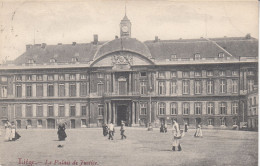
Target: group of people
x,y
163,128
10,132
110,130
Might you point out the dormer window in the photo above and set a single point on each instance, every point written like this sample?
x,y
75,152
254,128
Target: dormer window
x,y
39,77
74,59
173,57
186,74
222,73
173,74
30,61
221,55
197,56
209,73
52,60
197,73
234,73
50,77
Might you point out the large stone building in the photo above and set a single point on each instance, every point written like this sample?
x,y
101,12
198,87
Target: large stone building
x,y
197,80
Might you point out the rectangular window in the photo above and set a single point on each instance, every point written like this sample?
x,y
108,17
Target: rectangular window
x,y
174,109
161,74
50,90
61,77
72,110
100,88
50,110
39,122
83,89
29,77
222,73
197,73
143,108
234,86
173,74
4,91
83,76
4,111
250,85
143,74
18,110
72,90
161,108
197,108
198,88
210,108
185,74
100,110
39,77
223,108
185,87
210,87
39,90
61,111
223,86
39,111
50,77
222,121
234,73
18,78
186,108
255,101
83,110
72,77
29,90
210,122
235,108
143,88
83,122
251,73
29,122
61,90
161,89
18,91
28,112
174,87
210,73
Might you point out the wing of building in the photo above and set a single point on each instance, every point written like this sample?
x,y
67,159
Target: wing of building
x,y
210,81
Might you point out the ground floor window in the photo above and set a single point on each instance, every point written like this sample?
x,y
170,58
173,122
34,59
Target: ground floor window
x,y
83,123
39,123
210,122
29,122
142,122
223,122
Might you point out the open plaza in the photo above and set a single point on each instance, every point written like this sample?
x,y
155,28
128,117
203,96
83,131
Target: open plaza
x,y
89,147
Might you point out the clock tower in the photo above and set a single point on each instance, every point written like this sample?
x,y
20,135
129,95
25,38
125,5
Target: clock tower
x,y
125,27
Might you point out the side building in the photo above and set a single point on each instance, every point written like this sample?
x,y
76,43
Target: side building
x,y
208,81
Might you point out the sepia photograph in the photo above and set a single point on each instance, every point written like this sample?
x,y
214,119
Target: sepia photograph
x,y
129,83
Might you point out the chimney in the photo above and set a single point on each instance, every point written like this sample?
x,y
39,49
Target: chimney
x,y
156,39
28,46
95,39
43,45
116,37
74,43
248,36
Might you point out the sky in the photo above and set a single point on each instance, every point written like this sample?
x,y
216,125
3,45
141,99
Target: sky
x,y
64,21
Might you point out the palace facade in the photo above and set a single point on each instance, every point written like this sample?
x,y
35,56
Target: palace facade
x,y
192,81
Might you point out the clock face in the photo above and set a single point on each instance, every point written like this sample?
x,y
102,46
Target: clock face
x,y
125,28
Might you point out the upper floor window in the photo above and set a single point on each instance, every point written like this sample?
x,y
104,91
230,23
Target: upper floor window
x,y
197,108
50,77
173,57
29,77
221,55
143,74
72,77
61,90
39,77
29,90
61,77
185,86
174,109
161,74
185,74
174,87
83,89
28,111
50,90
18,90
74,59
223,108
197,73
50,110
18,78
223,121
234,86
209,73
143,108
185,108
197,56
197,87
100,110
100,89
4,79
72,110
173,74
251,72
84,110
83,76
250,85
161,108
234,73
143,88
210,87
234,108
72,90
161,89
39,90
61,110
222,73
223,86
4,91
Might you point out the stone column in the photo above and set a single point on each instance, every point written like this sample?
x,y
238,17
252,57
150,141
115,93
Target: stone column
x,y
114,113
130,83
114,108
114,83
105,114
137,112
133,113
109,114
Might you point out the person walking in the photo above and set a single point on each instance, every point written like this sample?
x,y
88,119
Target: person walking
x,y
165,128
14,135
8,131
176,136
105,129
198,132
185,127
122,129
111,131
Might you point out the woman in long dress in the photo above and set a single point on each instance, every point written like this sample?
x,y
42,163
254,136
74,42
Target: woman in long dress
x,y
8,131
14,135
176,136
61,132
198,132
